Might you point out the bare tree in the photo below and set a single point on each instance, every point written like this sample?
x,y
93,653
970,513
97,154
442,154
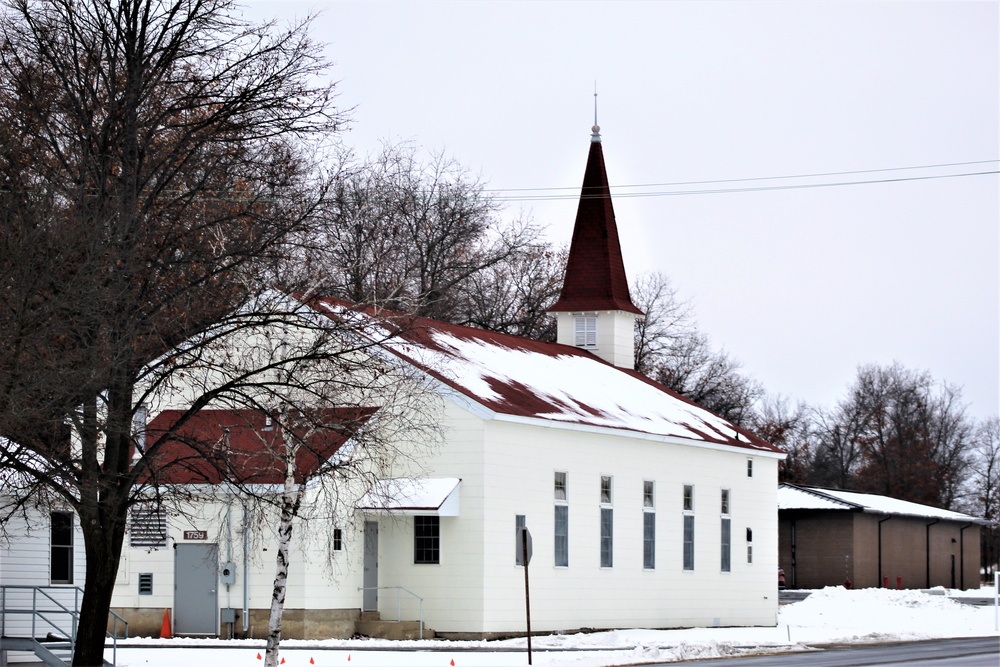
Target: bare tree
x,y
790,428
421,235
155,174
900,433
670,349
984,492
513,295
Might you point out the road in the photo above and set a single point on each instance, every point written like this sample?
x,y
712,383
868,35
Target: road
x,y
975,652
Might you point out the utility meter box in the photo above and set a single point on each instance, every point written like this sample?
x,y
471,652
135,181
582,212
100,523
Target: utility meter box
x,y
227,573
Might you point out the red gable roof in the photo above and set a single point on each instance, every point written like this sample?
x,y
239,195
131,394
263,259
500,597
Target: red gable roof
x,y
243,446
595,273
522,377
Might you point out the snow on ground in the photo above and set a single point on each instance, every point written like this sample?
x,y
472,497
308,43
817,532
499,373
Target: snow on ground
x,y
828,616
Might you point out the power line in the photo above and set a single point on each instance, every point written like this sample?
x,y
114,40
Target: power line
x,y
710,191
575,189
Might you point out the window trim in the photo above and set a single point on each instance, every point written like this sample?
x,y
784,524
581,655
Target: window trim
x,y
560,557
426,539
585,331
607,518
687,541
649,540
726,545
67,548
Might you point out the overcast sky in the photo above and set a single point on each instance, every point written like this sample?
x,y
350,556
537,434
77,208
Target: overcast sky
x,y
800,284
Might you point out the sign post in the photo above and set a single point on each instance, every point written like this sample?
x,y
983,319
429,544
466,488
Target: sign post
x,y
524,537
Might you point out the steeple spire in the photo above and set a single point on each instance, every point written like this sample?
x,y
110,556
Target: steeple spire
x,y
595,286
595,132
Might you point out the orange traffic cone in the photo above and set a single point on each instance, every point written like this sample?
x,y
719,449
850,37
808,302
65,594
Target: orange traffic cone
x,y
165,628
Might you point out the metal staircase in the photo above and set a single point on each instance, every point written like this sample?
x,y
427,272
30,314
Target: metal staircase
x,y
43,620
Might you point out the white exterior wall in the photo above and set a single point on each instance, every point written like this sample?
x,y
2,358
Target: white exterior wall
x,y
477,588
24,561
615,335
521,462
318,579
453,589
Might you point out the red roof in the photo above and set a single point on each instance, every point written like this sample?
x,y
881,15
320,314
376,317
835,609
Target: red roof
x,y
595,273
243,446
522,377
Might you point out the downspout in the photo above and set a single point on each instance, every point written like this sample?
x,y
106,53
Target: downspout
x,y
794,573
961,554
881,579
246,575
927,529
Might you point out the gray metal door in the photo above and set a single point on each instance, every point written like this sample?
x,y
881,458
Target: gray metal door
x,y
196,601
370,598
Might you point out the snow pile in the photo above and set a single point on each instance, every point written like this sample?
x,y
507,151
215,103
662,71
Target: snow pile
x,y
878,614
828,616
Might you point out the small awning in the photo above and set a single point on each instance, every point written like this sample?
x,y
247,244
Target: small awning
x,y
433,496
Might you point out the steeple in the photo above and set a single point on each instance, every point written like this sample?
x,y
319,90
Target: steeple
x,y
594,309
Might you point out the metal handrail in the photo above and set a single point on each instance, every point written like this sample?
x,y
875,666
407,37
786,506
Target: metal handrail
x,y
44,614
399,608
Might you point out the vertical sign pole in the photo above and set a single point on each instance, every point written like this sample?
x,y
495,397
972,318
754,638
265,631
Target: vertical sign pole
x,y
527,598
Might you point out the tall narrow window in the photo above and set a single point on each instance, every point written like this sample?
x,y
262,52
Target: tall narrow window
x,y
726,542
427,539
519,524
61,544
648,526
749,546
338,539
139,419
749,467
688,527
562,536
585,331
688,541
561,521
607,522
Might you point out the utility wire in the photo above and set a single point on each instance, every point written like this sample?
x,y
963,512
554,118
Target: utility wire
x,y
763,178
713,191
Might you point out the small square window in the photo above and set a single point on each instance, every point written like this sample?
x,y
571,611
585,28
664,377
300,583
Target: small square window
x,y
647,494
688,498
585,331
560,486
605,490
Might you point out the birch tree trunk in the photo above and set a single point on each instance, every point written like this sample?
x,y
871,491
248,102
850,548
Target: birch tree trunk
x,y
291,499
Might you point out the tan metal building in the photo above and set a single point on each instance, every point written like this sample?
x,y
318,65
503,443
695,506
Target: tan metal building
x,y
827,537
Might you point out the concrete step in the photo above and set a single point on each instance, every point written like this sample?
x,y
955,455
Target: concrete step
x,y
392,629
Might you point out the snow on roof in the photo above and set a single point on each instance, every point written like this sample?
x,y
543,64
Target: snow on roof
x,y
802,497
528,378
407,495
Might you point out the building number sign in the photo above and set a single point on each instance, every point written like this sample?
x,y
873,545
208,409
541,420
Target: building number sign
x,y
195,534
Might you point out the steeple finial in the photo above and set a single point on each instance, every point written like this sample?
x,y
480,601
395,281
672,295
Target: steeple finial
x,y
595,132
